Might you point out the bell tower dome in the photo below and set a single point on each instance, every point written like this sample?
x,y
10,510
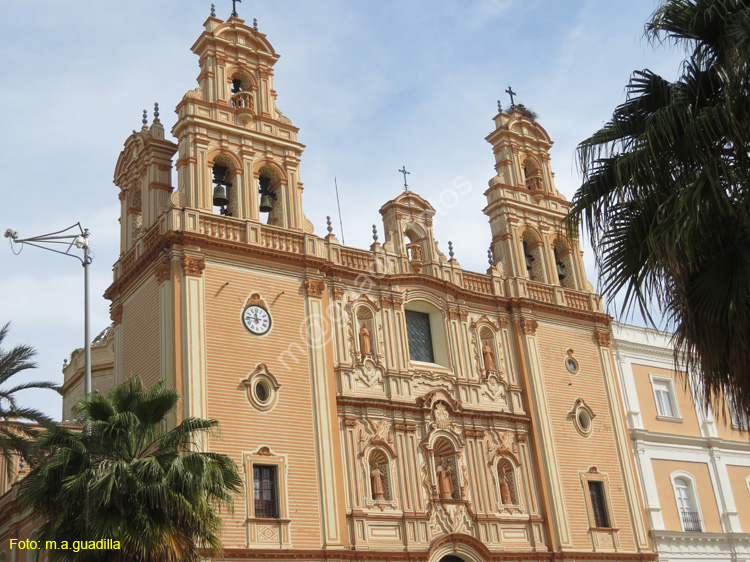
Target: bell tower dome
x,y
238,154
524,207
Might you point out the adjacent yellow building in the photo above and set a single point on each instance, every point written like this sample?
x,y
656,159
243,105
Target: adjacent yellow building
x,y
694,464
383,404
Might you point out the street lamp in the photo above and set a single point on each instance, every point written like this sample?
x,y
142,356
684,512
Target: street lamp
x,y
79,240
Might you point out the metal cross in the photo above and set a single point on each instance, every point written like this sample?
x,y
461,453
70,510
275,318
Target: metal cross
x,y
403,171
234,8
511,93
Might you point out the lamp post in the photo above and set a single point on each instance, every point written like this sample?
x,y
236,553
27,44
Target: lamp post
x,y
80,240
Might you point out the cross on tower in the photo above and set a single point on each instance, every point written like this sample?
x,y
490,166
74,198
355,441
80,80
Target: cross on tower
x,y
403,171
234,8
511,93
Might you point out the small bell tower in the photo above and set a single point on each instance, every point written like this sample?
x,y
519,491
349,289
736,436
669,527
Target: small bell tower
x,y
524,207
238,154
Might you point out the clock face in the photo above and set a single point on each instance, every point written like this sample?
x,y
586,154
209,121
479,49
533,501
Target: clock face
x,y
256,319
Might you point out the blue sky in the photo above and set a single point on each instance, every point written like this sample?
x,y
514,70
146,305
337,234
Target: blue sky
x,y
372,86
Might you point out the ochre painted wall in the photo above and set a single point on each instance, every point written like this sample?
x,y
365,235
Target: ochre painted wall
x,y
704,490
738,476
688,425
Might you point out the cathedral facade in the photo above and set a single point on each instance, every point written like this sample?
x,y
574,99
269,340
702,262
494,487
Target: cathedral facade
x,y
382,404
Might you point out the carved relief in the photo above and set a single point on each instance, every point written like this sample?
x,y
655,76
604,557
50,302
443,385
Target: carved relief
x,y
162,270
602,338
193,265
255,300
115,314
314,287
529,326
338,293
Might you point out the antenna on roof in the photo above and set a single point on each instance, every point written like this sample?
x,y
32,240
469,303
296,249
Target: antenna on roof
x,y
338,204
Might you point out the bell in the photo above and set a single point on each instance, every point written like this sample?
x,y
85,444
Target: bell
x,y
265,204
220,196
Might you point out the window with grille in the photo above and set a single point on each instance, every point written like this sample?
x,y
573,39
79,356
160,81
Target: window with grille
x,y
265,493
420,336
691,520
598,503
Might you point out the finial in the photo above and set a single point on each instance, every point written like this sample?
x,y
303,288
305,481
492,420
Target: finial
x,y
234,8
255,24
145,118
375,234
403,171
499,106
450,249
328,223
511,93
156,111
490,259
213,10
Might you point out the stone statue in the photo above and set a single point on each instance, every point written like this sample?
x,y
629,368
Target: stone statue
x,y
445,482
378,490
489,357
504,488
365,340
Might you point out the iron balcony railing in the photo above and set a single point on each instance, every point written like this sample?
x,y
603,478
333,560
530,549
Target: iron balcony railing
x,y
691,521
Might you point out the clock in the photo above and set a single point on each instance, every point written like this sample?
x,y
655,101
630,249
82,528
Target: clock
x,y
256,319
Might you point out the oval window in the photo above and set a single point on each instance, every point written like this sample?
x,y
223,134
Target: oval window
x,y
262,391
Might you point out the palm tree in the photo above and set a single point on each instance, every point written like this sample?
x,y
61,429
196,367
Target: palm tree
x,y
665,196
130,479
14,434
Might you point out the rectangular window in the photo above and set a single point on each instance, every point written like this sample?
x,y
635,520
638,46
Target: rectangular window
x,y
664,396
598,503
738,417
265,494
420,336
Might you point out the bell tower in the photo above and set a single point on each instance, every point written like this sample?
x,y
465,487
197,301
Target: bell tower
x,y
524,207
238,155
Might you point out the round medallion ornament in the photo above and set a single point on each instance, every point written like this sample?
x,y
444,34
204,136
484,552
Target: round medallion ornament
x,y
256,319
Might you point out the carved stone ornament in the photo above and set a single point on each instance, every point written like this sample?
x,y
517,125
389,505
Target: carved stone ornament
x,y
476,433
602,338
115,314
391,301
255,300
338,293
523,437
162,270
264,452
314,287
436,395
529,326
193,265
405,427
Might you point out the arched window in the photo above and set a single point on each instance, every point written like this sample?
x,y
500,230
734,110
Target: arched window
x,y
532,175
414,249
241,97
224,192
269,183
380,481
532,256
506,479
687,503
564,264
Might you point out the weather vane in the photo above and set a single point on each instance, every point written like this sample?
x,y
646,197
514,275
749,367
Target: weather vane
x,y
403,171
234,8
511,93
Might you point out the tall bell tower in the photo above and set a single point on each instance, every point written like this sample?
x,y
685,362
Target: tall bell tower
x,y
524,207
238,154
